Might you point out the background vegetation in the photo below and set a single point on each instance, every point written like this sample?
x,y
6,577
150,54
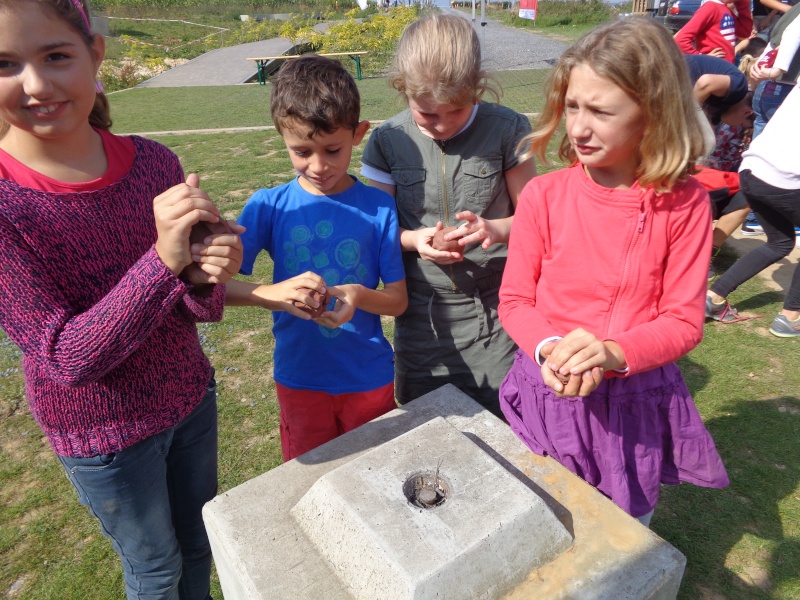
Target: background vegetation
x,y
139,47
742,542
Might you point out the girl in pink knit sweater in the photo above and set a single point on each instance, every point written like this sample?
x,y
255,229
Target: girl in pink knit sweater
x,y
605,282
99,291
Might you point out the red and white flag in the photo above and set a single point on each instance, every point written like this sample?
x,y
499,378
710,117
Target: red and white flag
x,y
527,9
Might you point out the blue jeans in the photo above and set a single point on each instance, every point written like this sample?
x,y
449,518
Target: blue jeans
x,y
148,499
766,100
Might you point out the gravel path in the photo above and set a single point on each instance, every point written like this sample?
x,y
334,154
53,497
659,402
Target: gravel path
x,y
507,48
504,48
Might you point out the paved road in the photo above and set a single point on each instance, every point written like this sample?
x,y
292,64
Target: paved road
x,y
224,66
504,48
507,48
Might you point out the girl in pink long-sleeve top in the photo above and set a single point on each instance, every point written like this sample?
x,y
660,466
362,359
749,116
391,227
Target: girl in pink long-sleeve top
x,y
99,290
605,283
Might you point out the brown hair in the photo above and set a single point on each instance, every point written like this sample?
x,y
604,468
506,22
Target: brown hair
x,y
67,11
318,92
439,57
639,56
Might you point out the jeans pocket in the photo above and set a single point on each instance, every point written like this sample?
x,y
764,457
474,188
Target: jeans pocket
x,y
92,463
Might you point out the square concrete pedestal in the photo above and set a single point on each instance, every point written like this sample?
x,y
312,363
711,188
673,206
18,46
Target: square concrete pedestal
x,y
437,499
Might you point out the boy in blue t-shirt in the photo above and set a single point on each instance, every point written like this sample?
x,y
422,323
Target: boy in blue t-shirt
x,y
332,240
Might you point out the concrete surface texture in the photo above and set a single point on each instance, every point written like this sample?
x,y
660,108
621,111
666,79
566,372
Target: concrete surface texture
x,y
414,546
261,550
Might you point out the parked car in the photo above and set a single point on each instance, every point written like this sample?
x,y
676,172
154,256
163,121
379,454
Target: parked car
x,y
674,14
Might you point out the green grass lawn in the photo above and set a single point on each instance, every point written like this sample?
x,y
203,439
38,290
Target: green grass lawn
x,y
248,105
742,542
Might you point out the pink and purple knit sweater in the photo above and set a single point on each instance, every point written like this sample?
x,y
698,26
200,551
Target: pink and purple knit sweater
x,y
111,353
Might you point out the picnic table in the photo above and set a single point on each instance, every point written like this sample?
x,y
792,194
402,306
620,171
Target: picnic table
x,y
263,61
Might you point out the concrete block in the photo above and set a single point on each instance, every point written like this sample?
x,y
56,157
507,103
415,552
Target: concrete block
x,y
439,546
262,553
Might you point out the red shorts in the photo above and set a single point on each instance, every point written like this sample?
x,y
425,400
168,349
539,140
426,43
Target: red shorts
x,y
309,418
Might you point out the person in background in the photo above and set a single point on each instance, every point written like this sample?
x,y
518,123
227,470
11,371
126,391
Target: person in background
x,y
711,30
721,89
770,178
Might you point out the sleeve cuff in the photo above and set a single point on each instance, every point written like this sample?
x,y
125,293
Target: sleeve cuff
x,y
538,355
377,175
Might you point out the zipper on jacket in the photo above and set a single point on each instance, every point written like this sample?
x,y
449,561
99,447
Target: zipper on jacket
x,y
453,286
626,269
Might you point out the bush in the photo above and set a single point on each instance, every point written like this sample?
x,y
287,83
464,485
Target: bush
x,y
377,34
264,6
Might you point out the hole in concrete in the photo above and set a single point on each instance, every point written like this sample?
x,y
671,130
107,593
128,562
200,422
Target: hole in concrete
x,y
427,489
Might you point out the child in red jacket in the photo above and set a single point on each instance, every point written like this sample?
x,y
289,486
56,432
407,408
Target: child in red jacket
x,y
711,30
606,275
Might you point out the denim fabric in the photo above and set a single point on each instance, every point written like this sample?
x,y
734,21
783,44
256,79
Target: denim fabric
x,y
766,100
778,212
148,499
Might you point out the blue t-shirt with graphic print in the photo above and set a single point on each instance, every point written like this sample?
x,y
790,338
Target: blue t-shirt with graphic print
x,y
351,237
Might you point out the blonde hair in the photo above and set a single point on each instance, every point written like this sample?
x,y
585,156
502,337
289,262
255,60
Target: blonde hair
x,y
78,18
639,56
439,57
745,64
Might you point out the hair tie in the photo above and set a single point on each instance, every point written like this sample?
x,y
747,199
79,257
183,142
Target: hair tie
x,y
79,5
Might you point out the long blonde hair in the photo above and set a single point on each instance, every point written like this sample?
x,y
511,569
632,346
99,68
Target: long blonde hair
x,y
639,56
439,57
79,19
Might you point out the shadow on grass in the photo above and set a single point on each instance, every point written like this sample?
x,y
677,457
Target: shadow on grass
x,y
758,302
696,375
742,542
778,276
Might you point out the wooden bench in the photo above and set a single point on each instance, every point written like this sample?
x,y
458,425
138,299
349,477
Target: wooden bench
x,y
262,61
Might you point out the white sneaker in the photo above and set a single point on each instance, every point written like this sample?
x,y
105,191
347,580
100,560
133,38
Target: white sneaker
x,y
750,230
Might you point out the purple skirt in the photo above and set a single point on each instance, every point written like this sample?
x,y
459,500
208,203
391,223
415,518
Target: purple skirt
x,y
626,438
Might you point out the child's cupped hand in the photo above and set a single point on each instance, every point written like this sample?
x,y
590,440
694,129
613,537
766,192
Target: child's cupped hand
x,y
346,304
217,252
424,245
297,289
475,229
566,386
176,211
574,365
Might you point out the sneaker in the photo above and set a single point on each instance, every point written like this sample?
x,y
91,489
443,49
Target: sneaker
x,y
783,327
724,313
752,229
